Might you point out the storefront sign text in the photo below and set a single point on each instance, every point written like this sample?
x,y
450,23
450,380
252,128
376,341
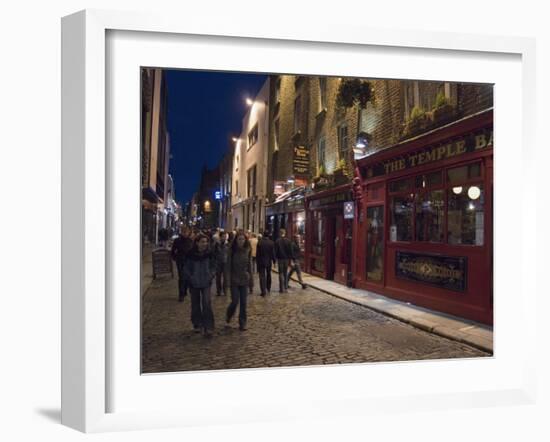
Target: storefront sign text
x,y
472,143
447,272
329,200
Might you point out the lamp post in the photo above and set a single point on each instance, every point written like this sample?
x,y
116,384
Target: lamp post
x,y
361,145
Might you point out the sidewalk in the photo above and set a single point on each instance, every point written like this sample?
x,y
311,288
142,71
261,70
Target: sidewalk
x,y
146,268
462,330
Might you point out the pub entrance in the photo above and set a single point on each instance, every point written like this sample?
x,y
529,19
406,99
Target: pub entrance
x,y
329,235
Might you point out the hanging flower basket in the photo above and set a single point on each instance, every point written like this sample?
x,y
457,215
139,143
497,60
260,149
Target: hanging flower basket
x,y
354,91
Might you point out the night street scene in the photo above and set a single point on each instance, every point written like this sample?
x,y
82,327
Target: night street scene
x,y
298,220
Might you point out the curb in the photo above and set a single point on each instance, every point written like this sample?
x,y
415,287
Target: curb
x,y
427,326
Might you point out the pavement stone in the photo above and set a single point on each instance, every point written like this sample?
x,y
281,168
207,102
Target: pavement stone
x,y
298,328
459,329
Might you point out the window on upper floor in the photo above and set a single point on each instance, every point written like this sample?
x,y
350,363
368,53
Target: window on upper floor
x,y
278,91
423,94
322,93
251,181
321,153
253,136
297,113
343,141
276,134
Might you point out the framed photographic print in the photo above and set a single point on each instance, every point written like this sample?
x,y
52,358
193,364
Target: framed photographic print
x,y
264,219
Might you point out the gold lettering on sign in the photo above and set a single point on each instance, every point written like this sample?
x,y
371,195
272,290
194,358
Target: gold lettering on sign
x,y
393,166
481,141
460,147
441,152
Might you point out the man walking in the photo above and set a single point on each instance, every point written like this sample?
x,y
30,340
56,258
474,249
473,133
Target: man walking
x,y
180,248
283,254
265,258
253,247
221,249
295,261
253,241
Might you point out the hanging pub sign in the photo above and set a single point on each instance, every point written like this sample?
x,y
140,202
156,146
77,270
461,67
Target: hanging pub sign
x,y
300,162
349,210
470,143
448,272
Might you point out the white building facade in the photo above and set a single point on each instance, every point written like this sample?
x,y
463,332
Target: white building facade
x,y
249,178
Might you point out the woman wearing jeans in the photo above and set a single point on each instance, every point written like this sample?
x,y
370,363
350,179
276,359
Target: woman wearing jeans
x,y
238,274
199,270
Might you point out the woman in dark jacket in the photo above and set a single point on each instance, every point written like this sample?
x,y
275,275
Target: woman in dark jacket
x,y
238,274
199,270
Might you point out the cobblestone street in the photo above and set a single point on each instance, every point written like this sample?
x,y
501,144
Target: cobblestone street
x,y
301,327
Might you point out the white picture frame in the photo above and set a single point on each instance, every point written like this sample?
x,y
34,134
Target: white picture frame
x,y
87,355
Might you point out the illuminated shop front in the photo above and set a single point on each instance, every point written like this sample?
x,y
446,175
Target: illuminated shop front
x,y
288,213
424,224
329,235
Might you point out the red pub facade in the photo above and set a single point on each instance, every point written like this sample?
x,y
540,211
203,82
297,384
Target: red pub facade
x,y
329,234
423,224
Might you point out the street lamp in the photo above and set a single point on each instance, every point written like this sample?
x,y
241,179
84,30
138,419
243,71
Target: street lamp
x,y
361,145
249,102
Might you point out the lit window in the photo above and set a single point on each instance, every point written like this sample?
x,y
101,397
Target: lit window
x,y
321,151
322,93
465,215
297,113
253,136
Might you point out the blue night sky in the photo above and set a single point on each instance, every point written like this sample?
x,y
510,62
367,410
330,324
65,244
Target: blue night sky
x,y
205,109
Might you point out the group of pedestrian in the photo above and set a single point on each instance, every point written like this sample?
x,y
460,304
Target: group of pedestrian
x,y
231,259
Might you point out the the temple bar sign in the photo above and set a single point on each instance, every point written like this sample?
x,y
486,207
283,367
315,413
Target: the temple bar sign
x,y
472,143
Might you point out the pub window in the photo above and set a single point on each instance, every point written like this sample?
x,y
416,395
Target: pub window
x,y
375,192
253,136
429,216
402,185
375,243
401,217
428,180
462,174
465,214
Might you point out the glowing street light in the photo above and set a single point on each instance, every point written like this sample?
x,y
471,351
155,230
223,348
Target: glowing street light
x,y
249,102
234,139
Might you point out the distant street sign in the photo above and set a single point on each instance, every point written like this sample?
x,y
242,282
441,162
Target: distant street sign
x,y
349,210
218,195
